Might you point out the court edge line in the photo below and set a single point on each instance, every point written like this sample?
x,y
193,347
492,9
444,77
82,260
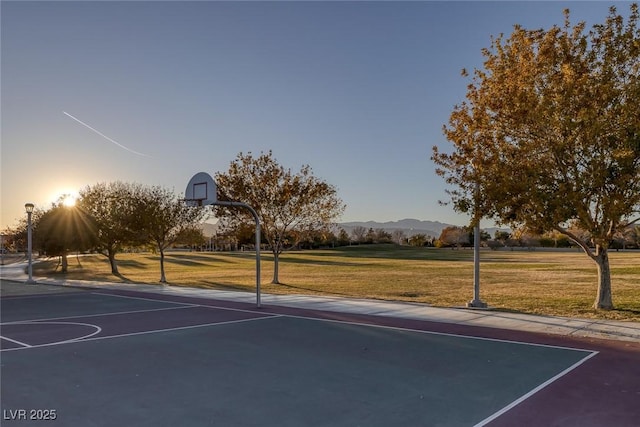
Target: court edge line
x,y
53,294
446,334
139,298
144,333
99,315
534,391
182,296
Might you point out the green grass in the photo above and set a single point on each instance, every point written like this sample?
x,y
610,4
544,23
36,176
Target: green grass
x,y
540,282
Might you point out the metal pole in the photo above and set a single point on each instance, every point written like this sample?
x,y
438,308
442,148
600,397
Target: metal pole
x,y
258,242
255,215
476,302
476,263
29,248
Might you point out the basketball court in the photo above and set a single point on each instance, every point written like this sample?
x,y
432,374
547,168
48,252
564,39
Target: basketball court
x,y
111,357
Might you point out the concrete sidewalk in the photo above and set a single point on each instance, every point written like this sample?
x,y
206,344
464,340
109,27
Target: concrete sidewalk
x,y
594,328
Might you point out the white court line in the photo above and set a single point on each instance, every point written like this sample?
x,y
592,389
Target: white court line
x,y
534,391
446,334
147,332
143,299
591,353
57,294
15,341
242,310
115,313
97,328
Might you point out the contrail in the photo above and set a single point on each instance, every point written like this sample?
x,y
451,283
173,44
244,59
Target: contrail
x,y
105,136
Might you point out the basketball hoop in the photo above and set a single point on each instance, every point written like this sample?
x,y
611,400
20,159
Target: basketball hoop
x,y
201,190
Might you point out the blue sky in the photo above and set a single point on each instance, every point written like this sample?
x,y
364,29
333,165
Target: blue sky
x,y
358,90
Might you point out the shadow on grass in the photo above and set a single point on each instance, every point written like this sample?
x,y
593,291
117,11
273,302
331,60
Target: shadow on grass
x,y
123,277
626,310
410,253
391,251
213,258
130,263
210,284
188,260
185,262
307,261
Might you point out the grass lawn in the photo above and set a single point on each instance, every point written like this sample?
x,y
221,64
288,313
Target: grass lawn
x,y
542,281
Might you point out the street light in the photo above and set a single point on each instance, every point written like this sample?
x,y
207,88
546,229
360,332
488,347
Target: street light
x,y
29,208
476,302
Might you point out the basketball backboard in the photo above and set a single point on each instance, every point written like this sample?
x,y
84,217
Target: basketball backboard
x,y
201,190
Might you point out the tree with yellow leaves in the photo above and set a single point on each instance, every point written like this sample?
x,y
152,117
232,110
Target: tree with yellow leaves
x,y
549,135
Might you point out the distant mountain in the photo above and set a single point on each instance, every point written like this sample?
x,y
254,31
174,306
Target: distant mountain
x,y
409,226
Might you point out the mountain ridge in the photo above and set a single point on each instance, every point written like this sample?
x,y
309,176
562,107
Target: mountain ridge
x,y
410,226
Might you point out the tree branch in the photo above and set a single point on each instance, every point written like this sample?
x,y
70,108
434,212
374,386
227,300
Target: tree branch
x,y
585,247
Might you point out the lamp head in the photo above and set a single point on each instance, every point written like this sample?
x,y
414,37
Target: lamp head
x,y
29,207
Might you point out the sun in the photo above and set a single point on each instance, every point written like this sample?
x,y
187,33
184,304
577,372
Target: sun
x,y
69,200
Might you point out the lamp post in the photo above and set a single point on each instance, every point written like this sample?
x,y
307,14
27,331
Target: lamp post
x,y
29,208
476,302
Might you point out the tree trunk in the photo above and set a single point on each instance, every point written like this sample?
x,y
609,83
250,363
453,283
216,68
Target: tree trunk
x,y
65,262
603,298
163,278
112,261
276,257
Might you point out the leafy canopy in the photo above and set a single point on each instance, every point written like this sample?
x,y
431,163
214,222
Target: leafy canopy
x,y
283,200
550,132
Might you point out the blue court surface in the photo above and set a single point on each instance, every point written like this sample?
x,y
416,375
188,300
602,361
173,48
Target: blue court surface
x,y
90,358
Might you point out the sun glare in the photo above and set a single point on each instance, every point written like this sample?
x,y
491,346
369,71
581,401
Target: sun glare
x,y
69,201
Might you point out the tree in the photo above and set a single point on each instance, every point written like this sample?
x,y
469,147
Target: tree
x,y
454,236
112,208
382,236
63,229
16,238
370,236
161,218
484,235
359,234
191,236
418,240
343,237
398,236
550,134
284,201
501,236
